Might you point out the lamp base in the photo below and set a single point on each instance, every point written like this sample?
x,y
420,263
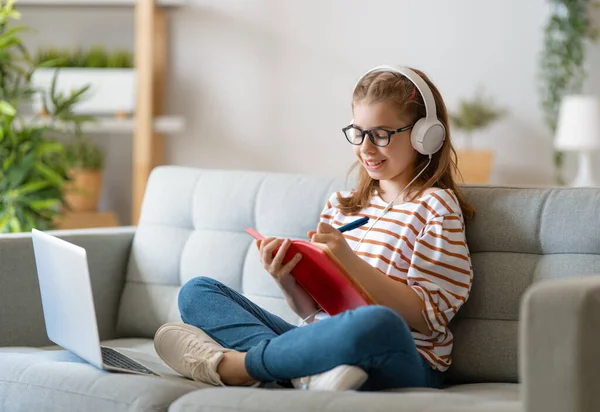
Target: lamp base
x,y
584,176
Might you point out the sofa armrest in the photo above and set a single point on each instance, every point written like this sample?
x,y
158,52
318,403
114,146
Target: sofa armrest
x,y
560,345
21,315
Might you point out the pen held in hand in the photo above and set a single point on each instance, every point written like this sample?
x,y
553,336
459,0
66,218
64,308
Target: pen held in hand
x,y
354,225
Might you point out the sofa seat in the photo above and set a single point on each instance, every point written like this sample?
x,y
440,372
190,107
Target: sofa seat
x,y
51,379
484,397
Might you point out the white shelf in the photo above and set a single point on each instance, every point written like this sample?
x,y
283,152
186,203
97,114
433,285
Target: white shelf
x,y
94,3
162,124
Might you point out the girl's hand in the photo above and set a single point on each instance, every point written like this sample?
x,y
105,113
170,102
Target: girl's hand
x,y
298,299
274,265
333,239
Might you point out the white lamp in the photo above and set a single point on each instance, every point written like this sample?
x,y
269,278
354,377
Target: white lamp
x,y
578,130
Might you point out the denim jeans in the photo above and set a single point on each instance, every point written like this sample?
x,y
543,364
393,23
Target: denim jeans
x,y
374,338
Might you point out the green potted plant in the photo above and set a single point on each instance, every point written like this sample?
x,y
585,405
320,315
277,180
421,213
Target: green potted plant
x,y
474,115
83,159
85,162
110,75
562,62
33,168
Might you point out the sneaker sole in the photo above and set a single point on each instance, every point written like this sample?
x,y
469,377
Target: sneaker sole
x,y
352,382
349,378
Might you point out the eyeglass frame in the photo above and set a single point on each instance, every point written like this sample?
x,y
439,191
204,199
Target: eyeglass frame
x,y
390,133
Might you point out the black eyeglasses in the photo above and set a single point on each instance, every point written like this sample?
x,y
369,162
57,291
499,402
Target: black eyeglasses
x,y
378,136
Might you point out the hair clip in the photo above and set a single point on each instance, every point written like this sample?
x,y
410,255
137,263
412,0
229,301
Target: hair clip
x,y
413,94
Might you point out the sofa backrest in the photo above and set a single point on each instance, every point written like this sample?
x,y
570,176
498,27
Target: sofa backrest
x,y
192,224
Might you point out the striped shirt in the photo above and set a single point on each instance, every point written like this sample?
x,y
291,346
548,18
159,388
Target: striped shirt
x,y
421,244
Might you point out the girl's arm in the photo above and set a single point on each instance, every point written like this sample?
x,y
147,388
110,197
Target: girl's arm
x,y
438,281
384,290
388,292
297,298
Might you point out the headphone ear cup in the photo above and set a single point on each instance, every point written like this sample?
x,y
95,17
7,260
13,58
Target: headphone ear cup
x,y
427,137
417,135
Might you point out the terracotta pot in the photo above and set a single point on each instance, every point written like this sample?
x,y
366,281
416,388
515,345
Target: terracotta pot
x,y
83,191
475,166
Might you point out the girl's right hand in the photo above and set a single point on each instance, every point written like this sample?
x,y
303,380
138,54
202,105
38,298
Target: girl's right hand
x,y
298,299
274,265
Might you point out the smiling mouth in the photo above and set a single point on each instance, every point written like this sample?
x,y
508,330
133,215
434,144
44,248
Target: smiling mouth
x,y
373,165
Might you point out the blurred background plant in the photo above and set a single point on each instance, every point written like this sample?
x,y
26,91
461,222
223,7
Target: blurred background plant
x,y
562,62
475,114
82,153
34,164
94,57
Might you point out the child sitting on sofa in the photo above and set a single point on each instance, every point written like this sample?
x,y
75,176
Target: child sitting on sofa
x,y
411,257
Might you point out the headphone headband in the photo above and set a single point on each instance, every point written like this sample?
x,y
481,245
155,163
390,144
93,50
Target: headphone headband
x,y
420,84
428,133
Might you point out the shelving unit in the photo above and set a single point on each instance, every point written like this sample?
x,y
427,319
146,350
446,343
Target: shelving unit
x,y
161,124
97,3
149,124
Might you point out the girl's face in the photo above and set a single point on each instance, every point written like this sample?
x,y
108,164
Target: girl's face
x,y
393,164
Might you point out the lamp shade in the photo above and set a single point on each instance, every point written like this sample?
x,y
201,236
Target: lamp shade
x,y
578,125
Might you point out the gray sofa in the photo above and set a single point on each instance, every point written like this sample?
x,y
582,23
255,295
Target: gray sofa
x,y
527,339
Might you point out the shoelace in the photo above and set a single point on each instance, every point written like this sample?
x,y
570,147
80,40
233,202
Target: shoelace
x,y
304,383
196,358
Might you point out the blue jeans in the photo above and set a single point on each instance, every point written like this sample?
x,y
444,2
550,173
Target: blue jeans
x,y
374,338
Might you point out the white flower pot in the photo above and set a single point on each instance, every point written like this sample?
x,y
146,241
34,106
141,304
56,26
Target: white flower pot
x,y
111,92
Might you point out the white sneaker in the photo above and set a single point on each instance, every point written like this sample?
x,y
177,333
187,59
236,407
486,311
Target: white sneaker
x,y
341,378
190,351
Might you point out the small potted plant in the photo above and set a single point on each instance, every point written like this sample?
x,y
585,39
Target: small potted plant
x,y
85,162
475,115
110,76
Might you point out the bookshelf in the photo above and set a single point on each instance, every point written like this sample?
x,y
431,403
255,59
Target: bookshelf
x,y
149,124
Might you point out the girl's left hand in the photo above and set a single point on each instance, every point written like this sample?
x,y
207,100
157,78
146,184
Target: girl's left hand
x,y
333,239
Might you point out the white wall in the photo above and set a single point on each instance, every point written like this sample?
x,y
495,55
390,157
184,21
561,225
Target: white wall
x,y
266,84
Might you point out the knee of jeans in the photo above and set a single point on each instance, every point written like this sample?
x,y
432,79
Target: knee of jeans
x,y
190,292
376,325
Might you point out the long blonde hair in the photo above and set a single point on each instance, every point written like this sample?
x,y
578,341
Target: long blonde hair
x,y
393,87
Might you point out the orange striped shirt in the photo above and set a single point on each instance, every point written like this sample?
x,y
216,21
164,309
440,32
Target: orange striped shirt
x,y
422,244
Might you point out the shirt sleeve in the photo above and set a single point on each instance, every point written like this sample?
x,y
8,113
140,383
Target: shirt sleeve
x,y
328,212
440,270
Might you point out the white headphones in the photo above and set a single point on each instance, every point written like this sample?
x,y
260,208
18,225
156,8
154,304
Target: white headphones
x,y
428,133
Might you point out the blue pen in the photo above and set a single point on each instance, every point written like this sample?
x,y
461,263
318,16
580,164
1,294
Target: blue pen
x,y
354,225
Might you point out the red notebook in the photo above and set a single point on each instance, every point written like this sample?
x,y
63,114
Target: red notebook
x,y
323,277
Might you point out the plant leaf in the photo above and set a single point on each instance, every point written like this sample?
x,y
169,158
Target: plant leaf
x,y
33,187
49,173
4,222
7,109
15,225
39,205
17,175
48,147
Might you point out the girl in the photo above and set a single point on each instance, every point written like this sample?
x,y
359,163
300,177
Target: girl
x,y
412,258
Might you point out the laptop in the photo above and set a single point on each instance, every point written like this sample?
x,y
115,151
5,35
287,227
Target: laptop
x,y
69,311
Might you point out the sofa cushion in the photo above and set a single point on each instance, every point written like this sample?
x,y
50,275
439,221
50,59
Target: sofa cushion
x,y
50,380
461,398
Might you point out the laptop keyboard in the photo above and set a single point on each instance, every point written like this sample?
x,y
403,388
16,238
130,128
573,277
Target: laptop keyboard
x,y
111,357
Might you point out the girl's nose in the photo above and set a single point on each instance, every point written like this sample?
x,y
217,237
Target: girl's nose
x,y
367,145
